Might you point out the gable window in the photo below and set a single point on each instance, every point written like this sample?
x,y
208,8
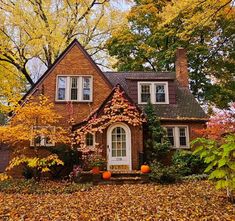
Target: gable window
x,y
178,136
74,88
39,139
155,92
62,82
90,140
86,88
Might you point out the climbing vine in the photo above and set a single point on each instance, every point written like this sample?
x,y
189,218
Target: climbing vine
x,y
117,109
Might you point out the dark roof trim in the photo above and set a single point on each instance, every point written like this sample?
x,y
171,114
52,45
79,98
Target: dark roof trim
x,y
150,78
185,119
76,126
62,55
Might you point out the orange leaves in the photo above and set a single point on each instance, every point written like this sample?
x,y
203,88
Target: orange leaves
x,y
118,109
186,201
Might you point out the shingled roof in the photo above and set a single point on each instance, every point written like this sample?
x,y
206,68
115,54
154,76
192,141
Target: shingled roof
x,y
186,107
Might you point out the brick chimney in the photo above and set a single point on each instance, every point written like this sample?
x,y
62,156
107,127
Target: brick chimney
x,y
181,68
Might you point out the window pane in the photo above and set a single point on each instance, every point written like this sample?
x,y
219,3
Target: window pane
x,y
114,153
182,134
160,93
119,153
86,88
145,93
170,134
89,139
74,88
61,88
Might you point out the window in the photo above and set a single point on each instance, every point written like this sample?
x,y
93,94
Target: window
x,y
178,136
182,136
145,92
90,141
170,134
61,88
39,138
86,87
118,142
160,93
74,88
155,92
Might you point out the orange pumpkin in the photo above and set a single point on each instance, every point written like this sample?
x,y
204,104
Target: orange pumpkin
x,y
106,175
145,169
95,170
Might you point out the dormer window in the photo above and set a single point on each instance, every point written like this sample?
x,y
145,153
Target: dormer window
x,y
74,88
155,92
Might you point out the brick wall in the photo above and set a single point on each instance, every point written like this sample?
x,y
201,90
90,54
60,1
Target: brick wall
x,y
75,63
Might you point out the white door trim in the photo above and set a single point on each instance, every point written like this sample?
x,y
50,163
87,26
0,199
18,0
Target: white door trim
x,y
128,143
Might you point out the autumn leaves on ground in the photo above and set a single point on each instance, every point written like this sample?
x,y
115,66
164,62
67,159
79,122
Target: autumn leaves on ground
x,y
195,200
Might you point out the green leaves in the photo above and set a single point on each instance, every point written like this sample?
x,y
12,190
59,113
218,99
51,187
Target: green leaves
x,y
220,159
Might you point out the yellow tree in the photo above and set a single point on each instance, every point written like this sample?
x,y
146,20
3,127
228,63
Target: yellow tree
x,y
32,129
12,85
196,14
43,29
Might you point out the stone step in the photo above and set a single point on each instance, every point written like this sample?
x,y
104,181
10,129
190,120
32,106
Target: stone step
x,y
124,178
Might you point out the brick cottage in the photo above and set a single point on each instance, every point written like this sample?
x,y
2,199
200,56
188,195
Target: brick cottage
x,y
75,80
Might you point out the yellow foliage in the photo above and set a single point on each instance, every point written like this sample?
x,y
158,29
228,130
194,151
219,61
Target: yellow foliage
x,y
41,164
31,119
196,13
4,176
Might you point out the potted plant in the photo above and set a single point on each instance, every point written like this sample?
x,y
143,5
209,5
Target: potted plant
x,y
98,163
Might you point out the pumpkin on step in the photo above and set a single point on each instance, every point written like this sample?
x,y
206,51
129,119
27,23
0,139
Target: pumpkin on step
x,y
106,175
145,169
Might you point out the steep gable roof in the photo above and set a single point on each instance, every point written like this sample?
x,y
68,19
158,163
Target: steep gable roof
x,y
62,55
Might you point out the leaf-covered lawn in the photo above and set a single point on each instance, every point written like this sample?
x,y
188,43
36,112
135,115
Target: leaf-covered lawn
x,y
187,201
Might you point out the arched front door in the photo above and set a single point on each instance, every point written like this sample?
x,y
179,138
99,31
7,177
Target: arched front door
x,y
119,147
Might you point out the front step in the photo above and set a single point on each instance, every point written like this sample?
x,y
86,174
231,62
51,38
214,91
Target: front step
x,y
123,177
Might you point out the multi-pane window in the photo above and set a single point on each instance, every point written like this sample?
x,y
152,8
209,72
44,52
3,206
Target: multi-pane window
x,y
160,93
42,136
182,136
178,136
155,92
145,92
74,88
170,134
89,140
118,142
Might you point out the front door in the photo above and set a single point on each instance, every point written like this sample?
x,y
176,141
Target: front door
x,y
119,147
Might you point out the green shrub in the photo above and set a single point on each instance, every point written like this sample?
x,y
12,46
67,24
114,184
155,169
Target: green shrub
x,y
68,156
163,174
187,163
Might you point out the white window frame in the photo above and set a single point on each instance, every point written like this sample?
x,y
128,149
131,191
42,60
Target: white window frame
x,y
42,142
89,146
176,134
68,88
152,91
